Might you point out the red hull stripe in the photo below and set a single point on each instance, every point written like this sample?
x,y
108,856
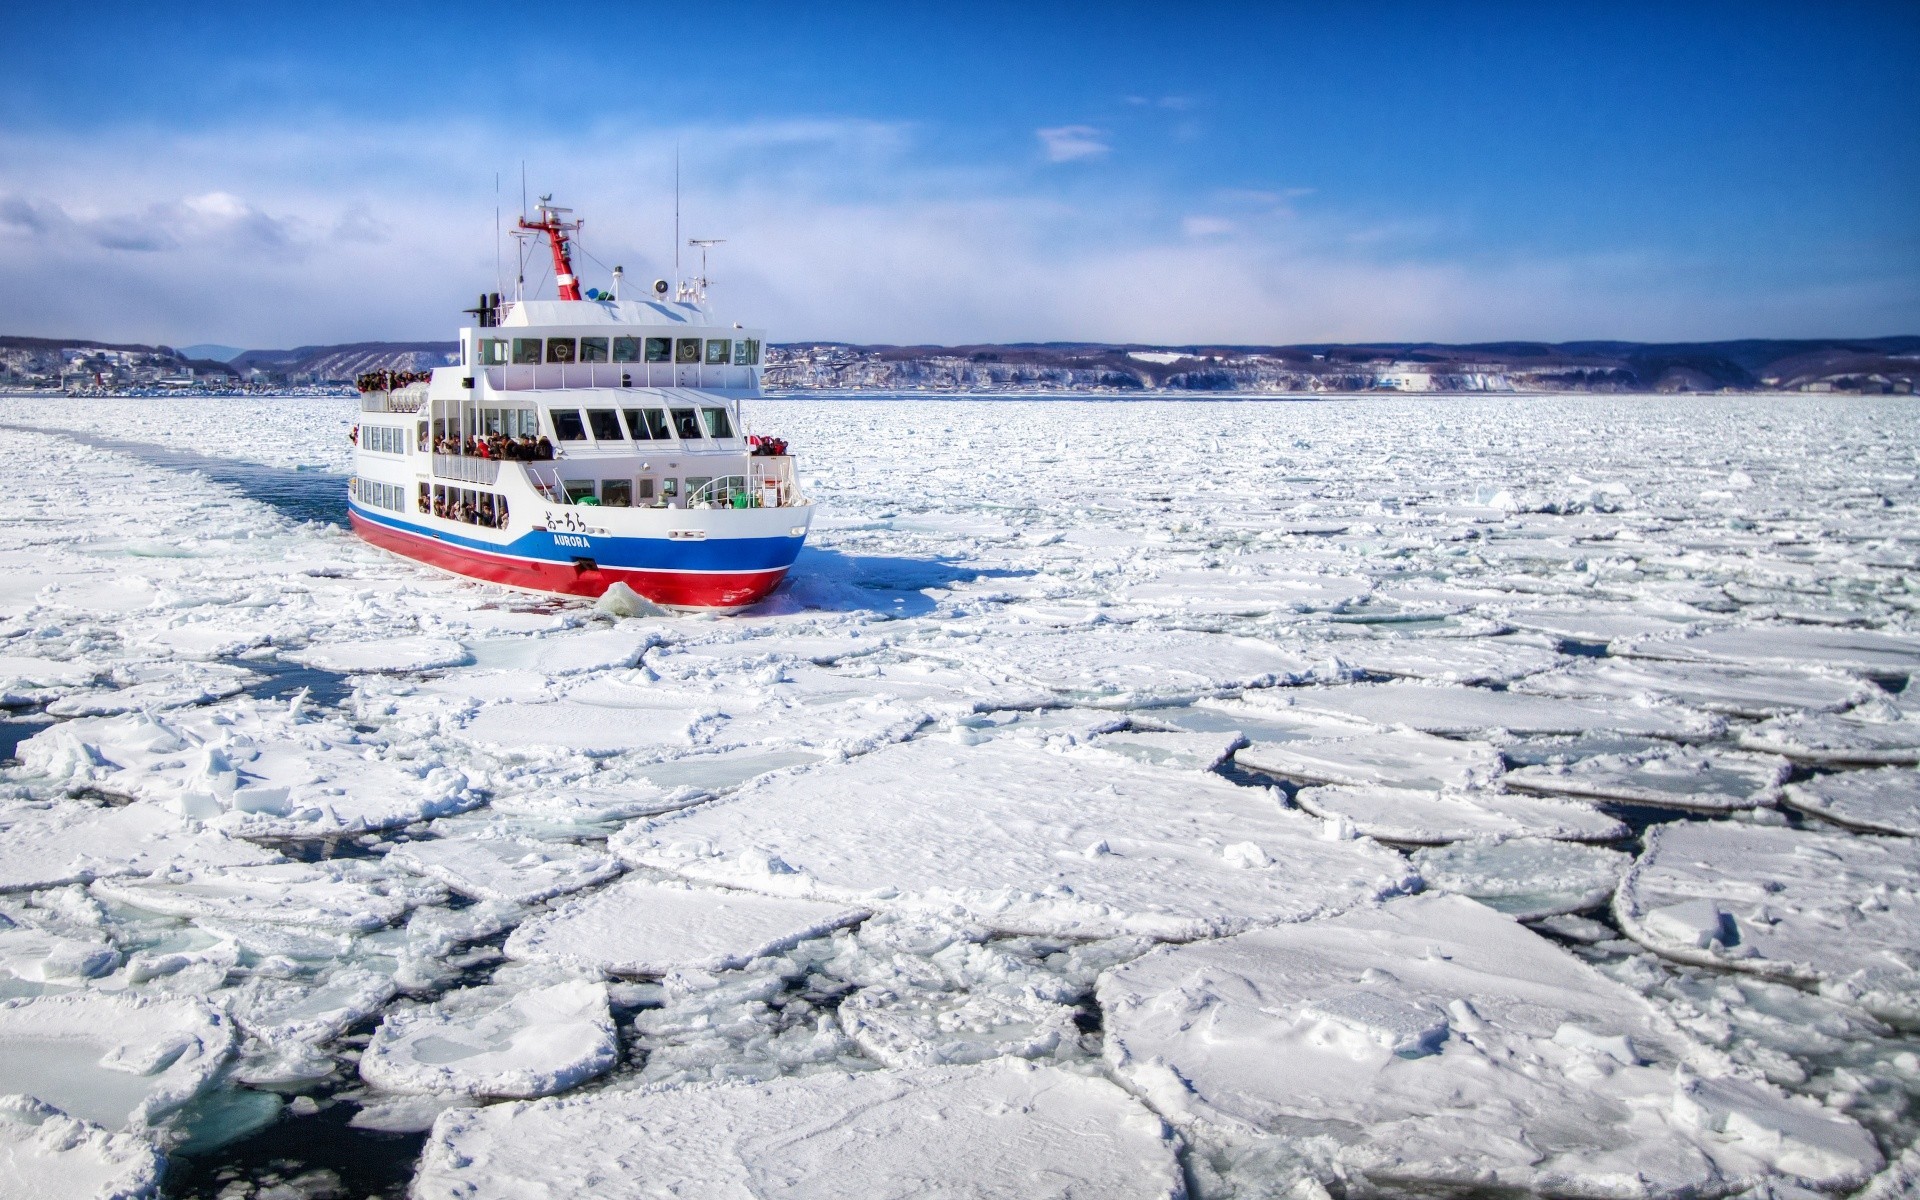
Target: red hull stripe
x,y
693,589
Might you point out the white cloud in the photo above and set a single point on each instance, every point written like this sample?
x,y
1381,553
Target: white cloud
x,y
1070,143
851,230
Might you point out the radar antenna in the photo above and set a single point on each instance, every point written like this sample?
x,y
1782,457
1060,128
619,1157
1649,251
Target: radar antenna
x,y
556,230
696,289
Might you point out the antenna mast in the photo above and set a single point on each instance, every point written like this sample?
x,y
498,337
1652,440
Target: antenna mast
x,y
697,290
676,214
556,230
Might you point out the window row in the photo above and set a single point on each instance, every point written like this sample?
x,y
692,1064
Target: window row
x,y
642,424
375,494
712,352
464,504
383,439
646,491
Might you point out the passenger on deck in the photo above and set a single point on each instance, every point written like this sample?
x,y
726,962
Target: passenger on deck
x,y
544,449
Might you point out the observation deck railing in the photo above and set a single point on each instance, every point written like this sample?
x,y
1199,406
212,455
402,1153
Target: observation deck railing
x,y
400,400
483,471
548,376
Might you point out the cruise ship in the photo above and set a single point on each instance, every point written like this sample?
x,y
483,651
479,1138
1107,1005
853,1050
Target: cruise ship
x,y
584,441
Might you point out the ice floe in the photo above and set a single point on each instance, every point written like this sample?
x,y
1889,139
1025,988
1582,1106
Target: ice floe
x,y
1666,777
646,927
1884,800
1877,733
1832,910
1463,711
336,896
1432,1043
490,1041
48,1155
1872,652
1024,837
119,1061
395,655
492,864
1362,756
1414,817
48,843
1526,878
997,1130
1737,691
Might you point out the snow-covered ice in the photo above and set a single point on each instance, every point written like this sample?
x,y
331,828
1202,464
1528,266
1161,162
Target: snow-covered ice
x,y
1432,1043
1831,910
1884,800
1666,777
996,1130
646,927
119,1061
1025,709
48,1155
1026,837
488,1042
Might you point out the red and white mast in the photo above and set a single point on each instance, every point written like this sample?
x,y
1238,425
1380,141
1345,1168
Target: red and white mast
x,y
556,229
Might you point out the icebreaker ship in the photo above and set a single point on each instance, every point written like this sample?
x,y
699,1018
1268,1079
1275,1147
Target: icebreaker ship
x,y
581,442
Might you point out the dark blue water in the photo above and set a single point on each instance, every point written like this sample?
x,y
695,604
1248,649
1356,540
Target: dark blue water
x,y
302,493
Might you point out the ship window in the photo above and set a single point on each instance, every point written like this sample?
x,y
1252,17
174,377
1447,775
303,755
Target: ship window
x,y
626,349
523,422
669,489
684,423
695,492
593,349
752,356
493,352
719,350
560,350
605,423
659,349
526,350
637,425
645,490
740,353
717,423
567,426
657,425
426,499
616,492
687,351
580,489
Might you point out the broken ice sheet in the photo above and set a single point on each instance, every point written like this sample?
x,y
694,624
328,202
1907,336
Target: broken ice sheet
x,y
494,1041
1664,777
46,844
1835,911
998,1129
395,655
1871,652
1112,663
647,927
333,896
493,864
1023,837
119,1061
1331,750
1432,1043
1740,691
1464,711
1877,733
1526,878
251,767
1475,660
46,1154
1427,818
927,1028
1885,800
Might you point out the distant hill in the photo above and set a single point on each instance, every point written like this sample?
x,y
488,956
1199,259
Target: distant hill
x,y
1869,365
1888,365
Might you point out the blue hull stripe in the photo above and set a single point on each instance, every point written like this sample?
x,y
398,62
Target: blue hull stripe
x,y
635,553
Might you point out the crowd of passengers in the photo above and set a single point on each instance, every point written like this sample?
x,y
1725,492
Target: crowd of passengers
x,y
499,446
453,508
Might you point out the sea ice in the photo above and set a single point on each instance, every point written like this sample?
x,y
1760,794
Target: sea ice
x,y
49,843
1885,800
1109,664
1428,818
1361,756
396,655
1665,777
1433,1044
922,1029
116,1060
1464,711
1003,1129
1884,655
644,927
491,864
1735,691
489,1041
1474,660
1526,878
341,895
48,1155
1878,733
1837,911
249,767
1025,838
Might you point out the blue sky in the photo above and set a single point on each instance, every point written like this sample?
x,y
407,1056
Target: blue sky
x,y
1205,172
